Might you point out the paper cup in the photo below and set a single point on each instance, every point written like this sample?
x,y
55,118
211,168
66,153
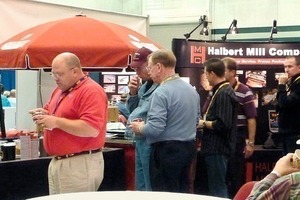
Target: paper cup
x,y
296,159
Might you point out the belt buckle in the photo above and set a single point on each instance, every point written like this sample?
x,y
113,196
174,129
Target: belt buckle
x,y
58,157
70,155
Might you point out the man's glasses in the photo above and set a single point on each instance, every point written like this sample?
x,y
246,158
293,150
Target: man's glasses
x,y
149,67
59,74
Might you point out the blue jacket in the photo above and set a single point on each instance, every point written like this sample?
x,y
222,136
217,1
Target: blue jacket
x,y
123,109
139,105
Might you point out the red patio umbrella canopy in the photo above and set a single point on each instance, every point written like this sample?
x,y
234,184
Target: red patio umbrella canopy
x,y
98,44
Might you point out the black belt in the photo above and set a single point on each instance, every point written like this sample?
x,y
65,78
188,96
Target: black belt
x,y
77,154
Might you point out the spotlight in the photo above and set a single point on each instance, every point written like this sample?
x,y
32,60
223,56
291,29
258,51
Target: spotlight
x,y
204,31
273,29
232,29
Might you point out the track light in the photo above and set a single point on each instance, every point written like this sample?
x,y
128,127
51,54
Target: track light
x,y
273,29
204,31
232,30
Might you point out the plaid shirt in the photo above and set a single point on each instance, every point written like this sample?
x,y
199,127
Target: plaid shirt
x,y
273,188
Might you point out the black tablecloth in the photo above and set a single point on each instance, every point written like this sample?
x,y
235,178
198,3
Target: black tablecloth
x,y
22,179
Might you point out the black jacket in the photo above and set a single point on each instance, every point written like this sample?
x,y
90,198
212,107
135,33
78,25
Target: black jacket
x,y
288,107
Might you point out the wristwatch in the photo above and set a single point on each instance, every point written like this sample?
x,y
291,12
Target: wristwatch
x,y
204,124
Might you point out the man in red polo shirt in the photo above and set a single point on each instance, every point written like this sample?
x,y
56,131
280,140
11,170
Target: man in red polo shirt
x,y
74,122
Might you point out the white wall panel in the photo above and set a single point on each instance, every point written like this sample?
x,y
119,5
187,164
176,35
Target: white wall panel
x,y
19,15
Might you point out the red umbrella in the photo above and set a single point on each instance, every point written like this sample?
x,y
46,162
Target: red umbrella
x,y
98,44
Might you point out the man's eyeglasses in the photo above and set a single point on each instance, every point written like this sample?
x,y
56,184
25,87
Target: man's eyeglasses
x,y
59,74
149,67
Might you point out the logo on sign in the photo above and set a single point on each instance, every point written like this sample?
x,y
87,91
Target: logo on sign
x,y
198,54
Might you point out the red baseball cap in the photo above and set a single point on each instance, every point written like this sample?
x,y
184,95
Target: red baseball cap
x,y
140,57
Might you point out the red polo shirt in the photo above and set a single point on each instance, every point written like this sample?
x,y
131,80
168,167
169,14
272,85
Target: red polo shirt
x,y
88,102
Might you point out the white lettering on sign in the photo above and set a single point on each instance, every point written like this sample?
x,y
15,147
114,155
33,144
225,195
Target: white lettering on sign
x,y
255,51
252,52
224,51
284,52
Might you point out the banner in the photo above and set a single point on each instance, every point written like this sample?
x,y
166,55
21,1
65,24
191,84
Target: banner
x,y
193,53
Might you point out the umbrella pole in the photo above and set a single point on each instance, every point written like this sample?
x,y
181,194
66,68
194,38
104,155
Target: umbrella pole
x,y
2,122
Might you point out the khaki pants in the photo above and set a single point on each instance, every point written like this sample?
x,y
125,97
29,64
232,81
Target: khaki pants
x,y
76,174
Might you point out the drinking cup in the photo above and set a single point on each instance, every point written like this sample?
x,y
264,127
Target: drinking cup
x,y
8,151
296,159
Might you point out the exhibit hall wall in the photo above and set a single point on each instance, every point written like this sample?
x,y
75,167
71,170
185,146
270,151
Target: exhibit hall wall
x,y
254,20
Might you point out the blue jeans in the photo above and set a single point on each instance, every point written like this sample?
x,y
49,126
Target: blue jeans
x,y
142,159
216,172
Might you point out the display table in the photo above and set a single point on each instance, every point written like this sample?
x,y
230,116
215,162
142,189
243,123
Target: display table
x,y
128,195
129,151
21,179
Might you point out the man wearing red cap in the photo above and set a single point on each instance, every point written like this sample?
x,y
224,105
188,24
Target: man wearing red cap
x,y
138,105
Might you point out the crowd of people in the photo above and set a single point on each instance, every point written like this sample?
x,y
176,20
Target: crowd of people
x,y
8,98
163,118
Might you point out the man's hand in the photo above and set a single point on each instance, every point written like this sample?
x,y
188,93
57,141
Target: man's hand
x,y
40,111
283,79
248,151
137,127
283,165
133,85
201,124
45,121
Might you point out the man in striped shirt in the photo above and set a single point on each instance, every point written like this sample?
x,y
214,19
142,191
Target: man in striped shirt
x,y
219,127
282,183
246,128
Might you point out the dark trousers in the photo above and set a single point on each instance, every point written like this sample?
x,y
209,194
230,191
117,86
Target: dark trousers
x,y
170,163
236,171
216,172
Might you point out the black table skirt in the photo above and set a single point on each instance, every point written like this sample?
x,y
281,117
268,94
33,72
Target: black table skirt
x,y
22,179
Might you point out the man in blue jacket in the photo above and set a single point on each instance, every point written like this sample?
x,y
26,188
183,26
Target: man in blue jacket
x,y
138,104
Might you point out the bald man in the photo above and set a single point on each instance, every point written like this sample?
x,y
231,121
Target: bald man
x,y
74,122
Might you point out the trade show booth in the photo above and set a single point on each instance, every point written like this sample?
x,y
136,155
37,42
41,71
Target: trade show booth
x,y
260,65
